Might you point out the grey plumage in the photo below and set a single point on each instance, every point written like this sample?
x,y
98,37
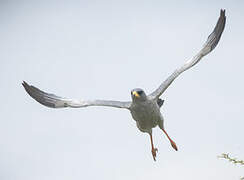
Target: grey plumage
x,y
160,102
144,109
53,101
210,44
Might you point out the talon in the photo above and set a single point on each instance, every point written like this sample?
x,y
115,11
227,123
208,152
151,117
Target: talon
x,y
171,141
174,145
154,153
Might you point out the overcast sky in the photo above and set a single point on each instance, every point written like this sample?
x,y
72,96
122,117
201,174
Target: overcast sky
x,y
103,49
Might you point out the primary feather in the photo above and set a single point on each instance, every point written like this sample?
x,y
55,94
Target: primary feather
x,y
53,101
210,44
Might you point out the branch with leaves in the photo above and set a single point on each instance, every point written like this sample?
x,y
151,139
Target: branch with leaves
x,y
232,160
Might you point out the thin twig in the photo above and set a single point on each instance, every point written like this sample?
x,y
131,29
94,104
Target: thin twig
x,y
232,160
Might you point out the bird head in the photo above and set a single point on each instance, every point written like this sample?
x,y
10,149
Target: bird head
x,y
138,95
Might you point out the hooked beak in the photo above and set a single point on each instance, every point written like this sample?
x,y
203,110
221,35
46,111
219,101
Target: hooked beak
x,y
136,94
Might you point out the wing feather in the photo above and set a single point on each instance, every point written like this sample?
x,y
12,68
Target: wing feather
x,y
53,101
210,44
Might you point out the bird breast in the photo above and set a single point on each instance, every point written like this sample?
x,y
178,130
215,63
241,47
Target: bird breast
x,y
146,114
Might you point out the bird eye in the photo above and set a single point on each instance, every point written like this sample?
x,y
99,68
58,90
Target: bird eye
x,y
140,92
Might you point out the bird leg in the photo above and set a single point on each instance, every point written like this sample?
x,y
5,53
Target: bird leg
x,y
154,150
171,141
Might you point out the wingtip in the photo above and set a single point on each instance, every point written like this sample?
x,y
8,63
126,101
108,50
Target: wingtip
x,y
222,12
24,83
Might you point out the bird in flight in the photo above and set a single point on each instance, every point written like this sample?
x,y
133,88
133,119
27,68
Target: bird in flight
x,y
145,109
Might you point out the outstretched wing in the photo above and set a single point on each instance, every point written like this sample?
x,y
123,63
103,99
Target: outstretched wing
x,y
210,44
53,101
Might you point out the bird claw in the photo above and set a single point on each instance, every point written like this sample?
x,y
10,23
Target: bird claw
x,y
154,153
174,145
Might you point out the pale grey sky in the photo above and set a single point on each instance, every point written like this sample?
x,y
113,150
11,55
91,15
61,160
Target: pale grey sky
x,y
103,49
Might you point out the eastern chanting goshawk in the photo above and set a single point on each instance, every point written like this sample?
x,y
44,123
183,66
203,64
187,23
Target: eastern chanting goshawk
x,y
145,109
